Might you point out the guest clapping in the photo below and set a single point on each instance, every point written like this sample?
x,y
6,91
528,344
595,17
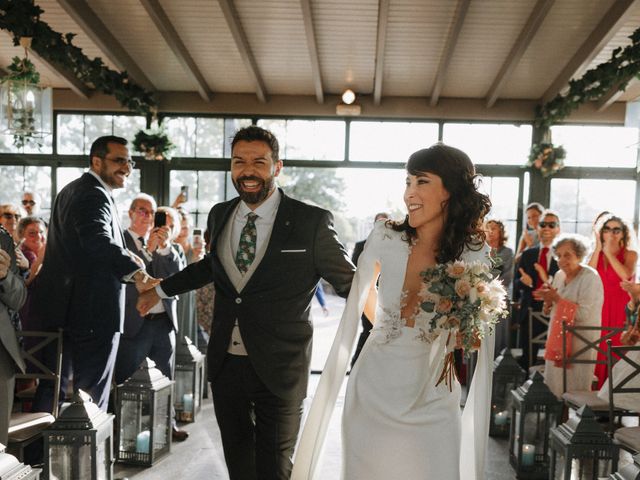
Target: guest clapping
x,y
576,287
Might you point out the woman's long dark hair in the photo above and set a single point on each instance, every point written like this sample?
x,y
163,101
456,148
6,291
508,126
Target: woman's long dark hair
x,y
466,206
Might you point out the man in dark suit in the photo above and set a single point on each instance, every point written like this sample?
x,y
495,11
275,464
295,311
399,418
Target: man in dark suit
x,y
534,267
13,294
366,323
81,284
268,253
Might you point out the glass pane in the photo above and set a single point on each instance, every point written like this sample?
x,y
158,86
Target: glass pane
x,y
498,144
205,190
503,192
6,144
124,196
66,175
589,146
11,184
231,126
44,147
70,134
96,126
182,133
210,137
308,139
578,202
389,141
127,126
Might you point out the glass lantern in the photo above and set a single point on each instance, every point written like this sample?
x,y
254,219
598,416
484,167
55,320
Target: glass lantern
x,y
25,110
12,469
581,450
79,443
143,416
507,375
628,472
189,381
534,411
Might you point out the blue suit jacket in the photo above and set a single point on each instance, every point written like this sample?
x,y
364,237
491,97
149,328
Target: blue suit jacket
x,y
523,292
80,285
159,267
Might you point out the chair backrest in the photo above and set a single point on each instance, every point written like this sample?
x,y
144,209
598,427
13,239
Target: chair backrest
x,y
593,345
626,378
541,338
35,368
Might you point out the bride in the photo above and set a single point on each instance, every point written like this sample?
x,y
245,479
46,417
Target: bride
x,y
399,420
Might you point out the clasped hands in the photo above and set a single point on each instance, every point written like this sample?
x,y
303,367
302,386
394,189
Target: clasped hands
x,y
148,296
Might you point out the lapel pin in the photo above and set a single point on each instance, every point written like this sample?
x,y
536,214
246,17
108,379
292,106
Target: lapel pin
x,y
287,223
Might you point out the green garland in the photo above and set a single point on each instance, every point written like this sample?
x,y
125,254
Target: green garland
x,y
547,158
623,66
154,144
22,19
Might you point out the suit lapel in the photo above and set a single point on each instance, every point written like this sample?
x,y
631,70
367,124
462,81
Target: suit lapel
x,y
216,237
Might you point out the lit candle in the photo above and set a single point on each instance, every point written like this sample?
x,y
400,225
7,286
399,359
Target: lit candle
x,y
187,402
142,442
528,454
501,418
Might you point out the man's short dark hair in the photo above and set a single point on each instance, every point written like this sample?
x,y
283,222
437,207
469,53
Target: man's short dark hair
x,y
100,147
254,133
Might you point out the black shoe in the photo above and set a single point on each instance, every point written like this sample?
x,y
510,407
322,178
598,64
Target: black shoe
x,y
179,435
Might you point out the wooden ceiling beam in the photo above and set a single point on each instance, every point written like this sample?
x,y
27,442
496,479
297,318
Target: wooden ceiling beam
x,y
597,40
233,22
613,95
97,31
76,85
449,48
381,40
168,32
309,29
527,34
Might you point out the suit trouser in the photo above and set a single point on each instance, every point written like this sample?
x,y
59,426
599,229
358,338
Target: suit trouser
x,y
258,429
7,383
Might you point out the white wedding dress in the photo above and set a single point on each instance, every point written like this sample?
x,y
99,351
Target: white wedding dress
x,y
397,424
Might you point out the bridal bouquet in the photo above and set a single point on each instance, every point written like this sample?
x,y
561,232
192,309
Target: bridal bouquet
x,y
464,297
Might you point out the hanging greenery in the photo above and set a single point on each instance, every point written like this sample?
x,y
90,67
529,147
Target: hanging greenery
x,y
22,19
622,67
547,158
153,143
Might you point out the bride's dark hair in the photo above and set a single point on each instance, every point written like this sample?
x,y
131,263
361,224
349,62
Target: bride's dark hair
x,y
466,206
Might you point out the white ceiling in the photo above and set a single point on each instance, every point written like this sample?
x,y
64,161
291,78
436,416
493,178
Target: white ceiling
x,y
382,48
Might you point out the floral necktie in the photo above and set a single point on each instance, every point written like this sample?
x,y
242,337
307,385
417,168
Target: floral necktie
x,y
247,246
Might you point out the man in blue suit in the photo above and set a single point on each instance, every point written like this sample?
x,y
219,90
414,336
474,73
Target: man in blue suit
x,y
536,266
81,284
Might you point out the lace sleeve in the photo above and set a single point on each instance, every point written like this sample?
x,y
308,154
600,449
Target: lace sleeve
x,y
310,446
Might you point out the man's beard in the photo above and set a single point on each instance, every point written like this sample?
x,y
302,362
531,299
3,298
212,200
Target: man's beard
x,y
251,198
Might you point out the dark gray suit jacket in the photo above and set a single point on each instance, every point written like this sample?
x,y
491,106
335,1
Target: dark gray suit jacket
x,y
160,266
273,308
80,285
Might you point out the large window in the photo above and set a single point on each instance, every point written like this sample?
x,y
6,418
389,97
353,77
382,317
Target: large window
x,y
308,139
503,192
15,180
389,141
205,189
76,133
202,137
490,144
589,146
579,201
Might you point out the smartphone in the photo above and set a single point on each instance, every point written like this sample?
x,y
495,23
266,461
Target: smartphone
x,y
160,219
184,190
197,237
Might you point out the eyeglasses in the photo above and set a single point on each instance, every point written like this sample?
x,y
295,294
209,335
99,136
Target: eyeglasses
x,y
28,202
9,216
614,230
122,161
144,211
548,224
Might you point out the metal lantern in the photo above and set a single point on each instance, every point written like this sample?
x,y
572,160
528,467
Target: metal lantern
x,y
507,375
534,411
143,416
189,381
79,443
25,110
12,469
628,472
580,449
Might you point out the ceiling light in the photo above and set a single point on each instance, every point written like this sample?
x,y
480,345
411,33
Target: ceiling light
x,y
348,97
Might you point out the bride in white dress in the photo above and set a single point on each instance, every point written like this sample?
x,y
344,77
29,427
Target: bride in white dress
x,y
397,424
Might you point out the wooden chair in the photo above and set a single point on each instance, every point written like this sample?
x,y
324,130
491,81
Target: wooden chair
x,y
26,428
627,383
577,398
540,339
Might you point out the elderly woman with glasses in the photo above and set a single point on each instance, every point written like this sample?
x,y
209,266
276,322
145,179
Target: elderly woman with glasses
x,y
615,261
576,291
